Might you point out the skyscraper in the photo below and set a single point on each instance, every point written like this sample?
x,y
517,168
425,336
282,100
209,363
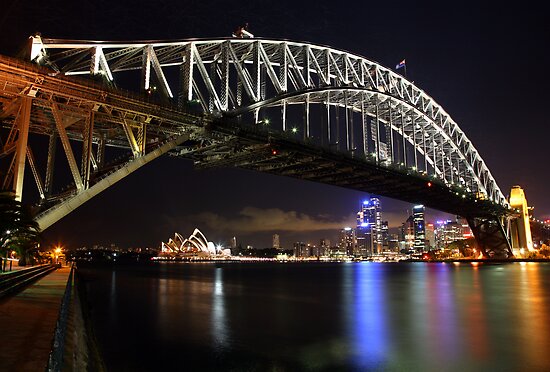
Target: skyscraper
x,y
347,240
406,237
302,249
276,242
430,236
324,247
419,228
449,231
384,232
369,230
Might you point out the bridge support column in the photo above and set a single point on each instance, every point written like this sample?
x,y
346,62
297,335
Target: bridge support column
x,y
490,237
520,228
23,123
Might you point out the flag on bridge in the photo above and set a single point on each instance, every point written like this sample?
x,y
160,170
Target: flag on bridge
x,y
400,65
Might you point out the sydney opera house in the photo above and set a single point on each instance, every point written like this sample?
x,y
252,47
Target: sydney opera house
x,y
195,246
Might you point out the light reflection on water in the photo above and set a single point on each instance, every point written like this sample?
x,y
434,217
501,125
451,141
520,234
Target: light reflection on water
x,y
359,316
218,319
367,321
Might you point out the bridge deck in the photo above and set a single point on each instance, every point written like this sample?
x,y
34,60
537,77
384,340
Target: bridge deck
x,y
323,165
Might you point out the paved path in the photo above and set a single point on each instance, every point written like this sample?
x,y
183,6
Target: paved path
x,y
27,323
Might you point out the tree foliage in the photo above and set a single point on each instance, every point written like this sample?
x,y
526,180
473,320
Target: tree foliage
x,y
18,230
465,247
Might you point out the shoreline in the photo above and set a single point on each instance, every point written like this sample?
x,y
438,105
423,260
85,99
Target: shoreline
x,y
264,260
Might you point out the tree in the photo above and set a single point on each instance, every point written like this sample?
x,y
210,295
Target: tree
x,y
466,247
544,251
18,231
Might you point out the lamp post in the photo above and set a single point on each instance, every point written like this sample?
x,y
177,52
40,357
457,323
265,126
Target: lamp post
x,y
57,252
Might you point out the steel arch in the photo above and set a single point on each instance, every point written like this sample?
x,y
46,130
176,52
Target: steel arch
x,y
237,76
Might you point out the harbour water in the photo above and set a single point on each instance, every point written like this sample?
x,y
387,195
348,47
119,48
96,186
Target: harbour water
x,y
360,316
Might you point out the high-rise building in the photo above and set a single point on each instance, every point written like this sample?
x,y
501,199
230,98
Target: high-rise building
x,y
324,247
449,231
302,249
419,228
393,243
430,235
406,237
276,242
348,241
369,230
384,232
233,242
466,231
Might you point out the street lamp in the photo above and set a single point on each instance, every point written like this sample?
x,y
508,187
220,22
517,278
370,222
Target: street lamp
x,y
57,252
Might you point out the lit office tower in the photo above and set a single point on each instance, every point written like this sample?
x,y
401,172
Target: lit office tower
x,y
449,231
276,242
419,228
302,249
324,247
369,228
347,241
384,232
430,236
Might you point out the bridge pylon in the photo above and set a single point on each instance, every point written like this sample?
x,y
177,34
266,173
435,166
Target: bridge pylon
x,y
519,226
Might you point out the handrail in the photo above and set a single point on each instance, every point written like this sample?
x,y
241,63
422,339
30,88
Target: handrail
x,y
55,359
14,281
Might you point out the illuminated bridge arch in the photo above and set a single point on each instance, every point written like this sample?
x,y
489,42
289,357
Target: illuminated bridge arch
x,y
326,96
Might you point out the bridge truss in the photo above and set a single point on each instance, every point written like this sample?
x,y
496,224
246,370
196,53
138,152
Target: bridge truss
x,y
63,111
277,106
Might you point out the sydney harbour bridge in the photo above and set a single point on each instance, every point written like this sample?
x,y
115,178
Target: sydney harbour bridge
x,y
288,108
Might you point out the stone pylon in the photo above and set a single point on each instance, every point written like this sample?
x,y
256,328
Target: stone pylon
x,y
520,229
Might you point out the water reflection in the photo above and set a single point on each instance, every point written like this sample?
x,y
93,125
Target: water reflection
x,y
475,313
441,307
218,320
368,317
357,316
533,314
113,296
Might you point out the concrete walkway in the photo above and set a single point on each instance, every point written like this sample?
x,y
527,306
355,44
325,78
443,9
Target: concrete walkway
x,y
27,323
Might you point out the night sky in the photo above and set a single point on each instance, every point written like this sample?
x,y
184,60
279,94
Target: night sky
x,y
486,65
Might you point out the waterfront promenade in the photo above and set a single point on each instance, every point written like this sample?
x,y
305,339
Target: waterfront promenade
x,y
27,323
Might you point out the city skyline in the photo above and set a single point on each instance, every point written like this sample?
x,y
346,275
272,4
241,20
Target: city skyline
x,y
462,68
279,240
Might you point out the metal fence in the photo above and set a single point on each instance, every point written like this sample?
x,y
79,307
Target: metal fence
x,y
55,360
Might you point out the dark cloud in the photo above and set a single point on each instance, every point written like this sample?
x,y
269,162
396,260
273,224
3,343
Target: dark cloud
x,y
252,219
